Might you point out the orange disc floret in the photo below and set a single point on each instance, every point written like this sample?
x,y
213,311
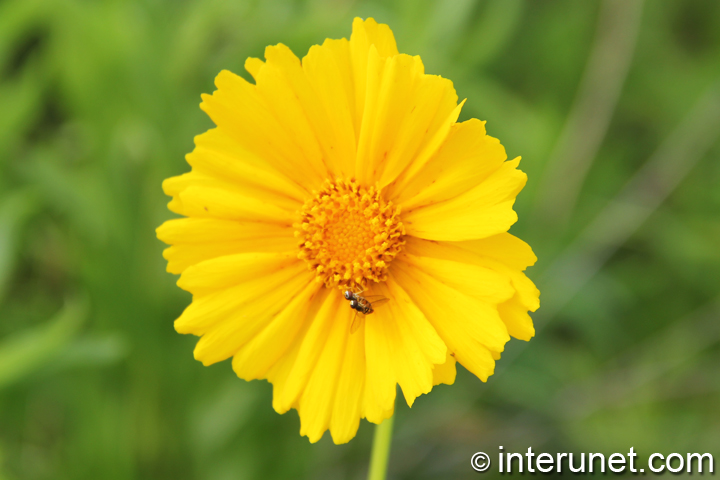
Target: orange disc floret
x,y
348,234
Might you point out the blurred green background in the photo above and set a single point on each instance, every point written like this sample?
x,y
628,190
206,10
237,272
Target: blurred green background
x,y
614,106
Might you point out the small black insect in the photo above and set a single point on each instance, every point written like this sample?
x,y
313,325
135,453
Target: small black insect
x,y
363,305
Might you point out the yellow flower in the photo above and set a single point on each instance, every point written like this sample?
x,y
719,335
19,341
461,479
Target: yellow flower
x,y
347,171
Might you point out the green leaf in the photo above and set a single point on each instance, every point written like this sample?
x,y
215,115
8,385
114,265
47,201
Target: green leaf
x,y
90,351
15,209
24,352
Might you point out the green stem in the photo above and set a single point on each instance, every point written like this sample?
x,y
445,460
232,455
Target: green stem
x,y
381,450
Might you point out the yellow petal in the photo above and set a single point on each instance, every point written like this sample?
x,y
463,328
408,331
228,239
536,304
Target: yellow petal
x,y
436,134
503,253
176,186
417,346
474,280
203,231
470,328
228,271
407,115
505,248
312,346
318,398
515,315
194,240
173,186
364,35
288,95
348,403
238,109
527,292
257,357
328,72
229,332
253,65
369,32
217,154
373,411
401,348
184,255
212,308
481,212
280,372
466,158
445,372
203,201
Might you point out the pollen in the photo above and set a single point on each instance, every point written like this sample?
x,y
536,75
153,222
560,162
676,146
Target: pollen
x,y
348,234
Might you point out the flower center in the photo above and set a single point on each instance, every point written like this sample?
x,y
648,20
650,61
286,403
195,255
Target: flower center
x,y
349,235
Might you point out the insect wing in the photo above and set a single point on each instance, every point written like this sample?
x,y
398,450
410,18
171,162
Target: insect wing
x,y
373,298
379,301
357,322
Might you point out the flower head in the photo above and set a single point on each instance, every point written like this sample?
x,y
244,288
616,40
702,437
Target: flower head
x,y
347,171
